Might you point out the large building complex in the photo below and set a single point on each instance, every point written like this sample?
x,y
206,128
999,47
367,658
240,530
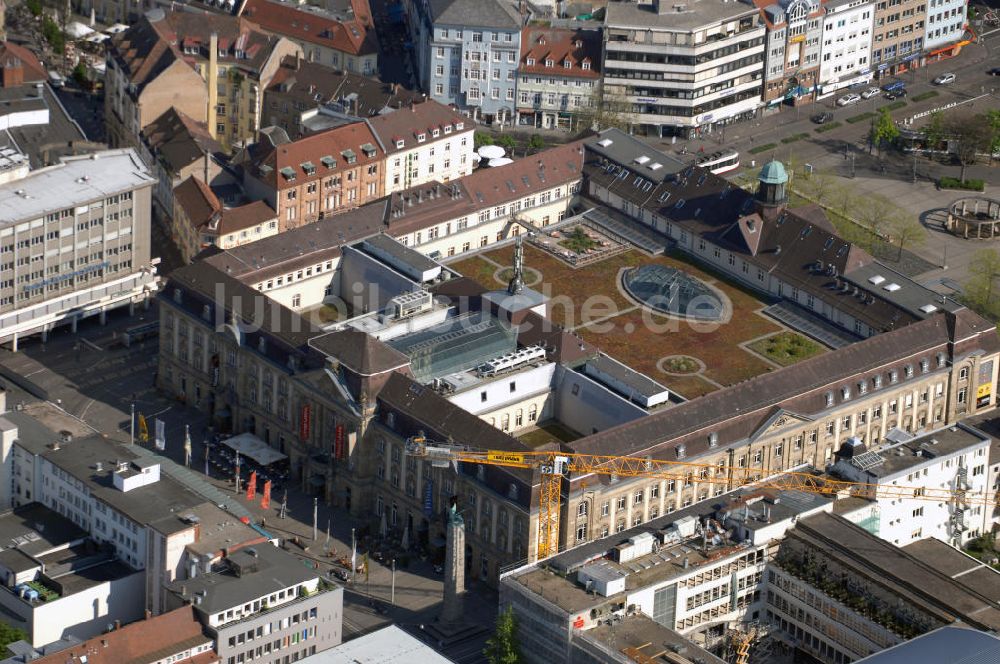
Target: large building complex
x,y
75,241
413,351
683,68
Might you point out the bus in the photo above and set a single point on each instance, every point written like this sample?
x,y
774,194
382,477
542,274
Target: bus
x,y
721,162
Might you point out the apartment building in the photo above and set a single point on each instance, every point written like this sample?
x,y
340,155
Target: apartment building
x,y
166,58
424,142
794,35
683,69
847,44
200,220
955,457
466,53
898,36
347,44
318,175
176,147
945,27
559,76
300,90
75,242
263,603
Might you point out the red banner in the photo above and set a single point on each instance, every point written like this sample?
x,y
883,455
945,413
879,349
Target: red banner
x,y
265,502
304,422
252,486
338,442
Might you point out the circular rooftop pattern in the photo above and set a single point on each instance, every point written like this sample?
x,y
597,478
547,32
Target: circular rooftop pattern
x,y
975,218
674,292
773,173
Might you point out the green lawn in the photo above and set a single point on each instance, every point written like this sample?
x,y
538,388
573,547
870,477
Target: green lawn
x,y
930,94
787,348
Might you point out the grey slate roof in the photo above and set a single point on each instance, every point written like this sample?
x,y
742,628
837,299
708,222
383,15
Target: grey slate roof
x,y
476,13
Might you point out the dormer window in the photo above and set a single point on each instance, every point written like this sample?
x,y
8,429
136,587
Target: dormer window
x,y
530,62
862,387
400,144
206,312
421,138
845,393
909,370
893,377
567,64
713,439
328,161
940,360
288,173
459,126
829,399
435,133
586,64
924,366
369,150
549,62
878,381
681,451
349,156
447,129
308,168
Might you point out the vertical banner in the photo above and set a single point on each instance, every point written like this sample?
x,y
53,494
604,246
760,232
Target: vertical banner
x,y
984,386
143,429
265,502
338,442
252,486
429,498
304,421
161,434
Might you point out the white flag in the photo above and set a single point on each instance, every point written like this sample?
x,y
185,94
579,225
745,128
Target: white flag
x,y
161,435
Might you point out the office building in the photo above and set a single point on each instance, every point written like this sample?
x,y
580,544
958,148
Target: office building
x,y
683,68
75,241
898,36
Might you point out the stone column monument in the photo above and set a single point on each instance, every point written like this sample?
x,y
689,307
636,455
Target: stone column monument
x,y
454,570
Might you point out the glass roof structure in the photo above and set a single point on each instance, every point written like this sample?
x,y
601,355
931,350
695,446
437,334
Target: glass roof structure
x,y
674,292
458,344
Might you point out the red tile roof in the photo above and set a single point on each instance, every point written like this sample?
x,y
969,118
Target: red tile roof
x,y
423,118
298,155
11,55
197,200
561,45
354,36
245,216
141,642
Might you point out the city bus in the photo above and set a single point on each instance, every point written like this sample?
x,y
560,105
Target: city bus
x,y
721,162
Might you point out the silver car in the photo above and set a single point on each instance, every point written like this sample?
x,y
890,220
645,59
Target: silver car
x,y
871,92
944,79
848,99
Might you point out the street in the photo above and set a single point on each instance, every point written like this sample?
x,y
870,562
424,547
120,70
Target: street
x,y
96,379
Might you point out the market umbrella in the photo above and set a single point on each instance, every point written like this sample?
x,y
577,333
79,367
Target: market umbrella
x,y
491,152
499,161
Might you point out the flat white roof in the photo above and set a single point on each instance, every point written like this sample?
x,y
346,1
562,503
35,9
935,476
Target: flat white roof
x,y
75,181
389,645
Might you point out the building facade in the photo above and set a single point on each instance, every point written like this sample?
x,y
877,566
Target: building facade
x,y
559,76
318,175
348,45
946,20
424,142
467,54
847,43
680,70
898,36
794,34
75,241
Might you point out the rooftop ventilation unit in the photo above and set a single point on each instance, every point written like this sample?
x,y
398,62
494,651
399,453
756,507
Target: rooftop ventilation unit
x,y
512,360
408,304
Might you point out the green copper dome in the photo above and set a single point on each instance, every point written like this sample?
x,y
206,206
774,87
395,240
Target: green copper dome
x,y
773,173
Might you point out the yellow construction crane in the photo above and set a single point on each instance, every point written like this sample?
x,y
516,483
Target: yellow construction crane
x,y
554,465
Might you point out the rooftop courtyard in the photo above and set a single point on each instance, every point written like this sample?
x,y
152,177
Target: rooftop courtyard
x,y
690,357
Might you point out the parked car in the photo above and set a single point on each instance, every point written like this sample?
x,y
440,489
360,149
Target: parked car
x,y
871,92
896,94
848,99
944,79
893,86
822,118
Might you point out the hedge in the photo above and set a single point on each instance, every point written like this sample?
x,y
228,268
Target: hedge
x,y
967,185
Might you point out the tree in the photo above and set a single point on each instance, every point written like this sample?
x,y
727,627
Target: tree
x,y
482,138
993,118
536,142
80,74
506,141
820,185
608,108
934,131
978,289
884,130
908,231
34,6
502,647
8,635
972,136
879,214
